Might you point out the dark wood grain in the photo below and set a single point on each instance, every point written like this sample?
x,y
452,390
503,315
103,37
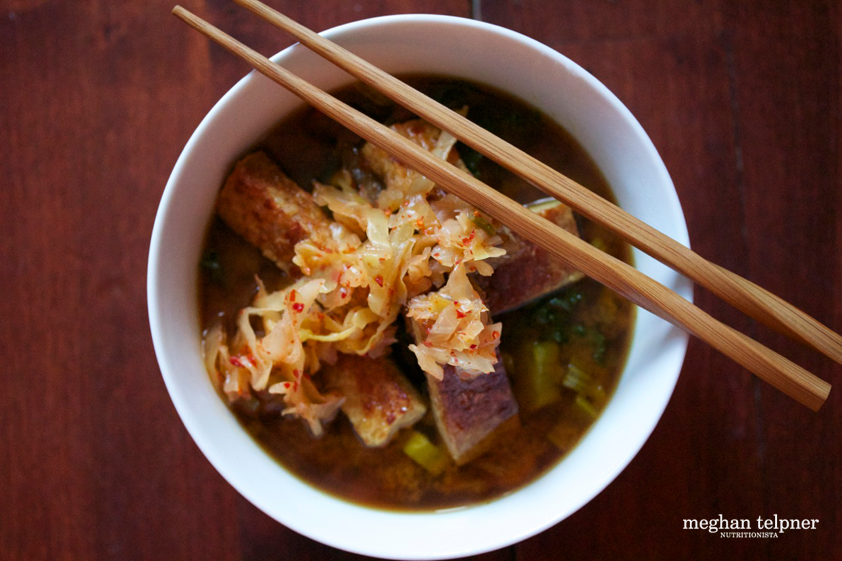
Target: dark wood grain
x,y
97,98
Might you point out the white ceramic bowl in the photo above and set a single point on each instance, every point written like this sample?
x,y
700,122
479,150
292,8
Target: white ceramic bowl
x,y
434,45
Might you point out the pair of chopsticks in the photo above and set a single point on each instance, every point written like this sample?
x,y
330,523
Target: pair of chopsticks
x,y
617,275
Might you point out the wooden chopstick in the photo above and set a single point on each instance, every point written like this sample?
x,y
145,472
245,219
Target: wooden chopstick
x,y
744,295
617,275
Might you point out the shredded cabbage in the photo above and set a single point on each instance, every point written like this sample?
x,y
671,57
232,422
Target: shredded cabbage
x,y
410,250
451,326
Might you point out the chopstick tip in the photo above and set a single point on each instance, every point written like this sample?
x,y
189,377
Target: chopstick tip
x,y
824,393
187,16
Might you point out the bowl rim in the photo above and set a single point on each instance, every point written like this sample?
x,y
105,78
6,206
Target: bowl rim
x,y
463,519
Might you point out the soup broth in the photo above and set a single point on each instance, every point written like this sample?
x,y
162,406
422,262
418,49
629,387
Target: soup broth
x,y
563,353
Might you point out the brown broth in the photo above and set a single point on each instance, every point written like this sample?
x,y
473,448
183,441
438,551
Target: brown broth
x,y
589,324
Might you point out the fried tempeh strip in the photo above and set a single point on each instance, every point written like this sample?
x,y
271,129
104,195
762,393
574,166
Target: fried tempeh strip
x,y
269,210
470,410
531,272
379,400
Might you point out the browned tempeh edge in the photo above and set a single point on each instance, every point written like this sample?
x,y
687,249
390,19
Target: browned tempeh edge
x,y
379,399
262,205
746,296
617,275
516,282
470,411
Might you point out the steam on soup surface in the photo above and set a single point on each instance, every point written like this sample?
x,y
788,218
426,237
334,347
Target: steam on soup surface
x,y
387,342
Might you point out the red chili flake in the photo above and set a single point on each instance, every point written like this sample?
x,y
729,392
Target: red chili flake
x,y
292,295
298,307
381,259
251,360
287,385
474,346
235,361
379,279
427,344
297,373
470,238
495,335
460,314
477,213
343,292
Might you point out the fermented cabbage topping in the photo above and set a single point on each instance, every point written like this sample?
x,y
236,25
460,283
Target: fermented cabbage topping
x,y
409,249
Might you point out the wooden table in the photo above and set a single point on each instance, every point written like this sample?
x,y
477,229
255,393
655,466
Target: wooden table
x,y
97,99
